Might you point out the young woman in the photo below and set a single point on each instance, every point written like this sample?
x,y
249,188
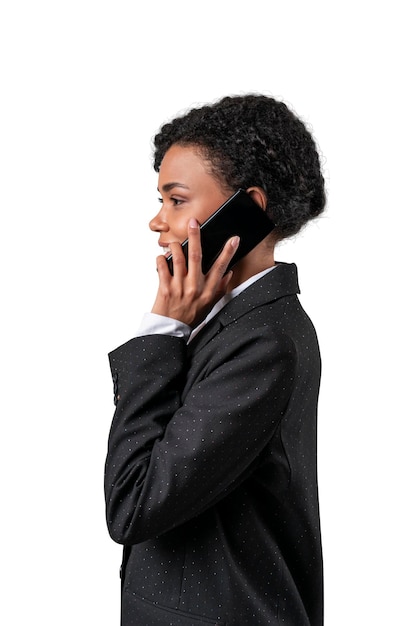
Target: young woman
x,y
211,481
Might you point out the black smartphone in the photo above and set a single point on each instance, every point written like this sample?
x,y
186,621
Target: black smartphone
x,y
239,215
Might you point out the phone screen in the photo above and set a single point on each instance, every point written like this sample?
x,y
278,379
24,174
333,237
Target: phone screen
x,y
239,215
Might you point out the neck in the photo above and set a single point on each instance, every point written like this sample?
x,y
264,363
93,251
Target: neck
x,y
259,259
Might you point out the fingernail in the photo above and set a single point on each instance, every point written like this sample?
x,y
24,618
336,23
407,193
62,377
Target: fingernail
x,y
193,223
235,242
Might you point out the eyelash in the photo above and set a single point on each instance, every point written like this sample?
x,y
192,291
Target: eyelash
x,y
175,201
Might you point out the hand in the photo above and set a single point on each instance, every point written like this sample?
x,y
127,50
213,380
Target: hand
x,y
189,295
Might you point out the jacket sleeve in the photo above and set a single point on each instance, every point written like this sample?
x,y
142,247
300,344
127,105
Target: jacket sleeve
x,y
172,457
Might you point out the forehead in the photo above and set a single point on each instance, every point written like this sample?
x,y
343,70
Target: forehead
x,y
183,163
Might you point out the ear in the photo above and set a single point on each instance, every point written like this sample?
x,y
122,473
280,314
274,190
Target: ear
x,y
259,196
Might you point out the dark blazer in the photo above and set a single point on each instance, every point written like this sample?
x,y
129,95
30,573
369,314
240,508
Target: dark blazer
x,y
211,479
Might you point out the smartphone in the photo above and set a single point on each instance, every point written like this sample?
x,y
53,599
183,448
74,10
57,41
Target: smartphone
x,y
239,215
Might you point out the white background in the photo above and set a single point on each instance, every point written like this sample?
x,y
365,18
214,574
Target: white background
x,y
85,85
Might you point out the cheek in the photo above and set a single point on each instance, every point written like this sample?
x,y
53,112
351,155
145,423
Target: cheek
x,y
179,226
208,209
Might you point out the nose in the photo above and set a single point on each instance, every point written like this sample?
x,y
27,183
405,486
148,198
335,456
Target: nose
x,y
158,224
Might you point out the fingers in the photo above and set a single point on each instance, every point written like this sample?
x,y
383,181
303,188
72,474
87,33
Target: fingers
x,y
217,280
220,266
162,267
194,253
188,294
178,260
169,283
194,263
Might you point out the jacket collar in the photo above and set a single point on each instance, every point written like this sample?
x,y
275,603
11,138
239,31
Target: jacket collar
x,y
280,282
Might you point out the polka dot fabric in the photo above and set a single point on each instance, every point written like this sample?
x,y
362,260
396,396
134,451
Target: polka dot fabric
x,y
211,479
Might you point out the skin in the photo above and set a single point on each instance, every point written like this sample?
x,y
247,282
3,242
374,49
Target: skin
x,y
189,195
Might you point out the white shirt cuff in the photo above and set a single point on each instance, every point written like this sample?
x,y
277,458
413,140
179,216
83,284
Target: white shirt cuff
x,y
154,324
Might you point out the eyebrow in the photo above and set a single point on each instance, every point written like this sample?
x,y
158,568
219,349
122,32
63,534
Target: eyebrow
x,y
169,186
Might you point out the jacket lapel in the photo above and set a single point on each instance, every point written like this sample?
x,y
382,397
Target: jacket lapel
x,y
204,335
280,282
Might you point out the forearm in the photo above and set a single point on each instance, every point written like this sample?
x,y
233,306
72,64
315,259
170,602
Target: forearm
x,y
173,456
148,378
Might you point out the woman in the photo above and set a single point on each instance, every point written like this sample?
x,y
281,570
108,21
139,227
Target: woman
x,y
211,470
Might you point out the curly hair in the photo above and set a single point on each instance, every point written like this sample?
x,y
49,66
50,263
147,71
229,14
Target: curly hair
x,y
254,140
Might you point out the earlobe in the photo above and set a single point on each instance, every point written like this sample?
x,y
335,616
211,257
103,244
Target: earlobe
x,y
259,196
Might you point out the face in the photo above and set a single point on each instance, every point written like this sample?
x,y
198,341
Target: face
x,y
187,190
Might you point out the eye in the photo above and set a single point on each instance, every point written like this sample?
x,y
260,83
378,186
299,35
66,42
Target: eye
x,y
174,201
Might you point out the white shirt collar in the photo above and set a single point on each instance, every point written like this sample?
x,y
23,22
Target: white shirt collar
x,y
227,298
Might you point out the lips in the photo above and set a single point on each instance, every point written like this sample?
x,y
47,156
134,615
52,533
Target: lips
x,y
165,247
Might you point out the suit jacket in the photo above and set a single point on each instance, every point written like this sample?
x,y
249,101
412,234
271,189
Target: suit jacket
x,y
211,480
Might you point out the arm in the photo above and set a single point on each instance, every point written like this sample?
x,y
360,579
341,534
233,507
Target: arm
x,y
170,458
